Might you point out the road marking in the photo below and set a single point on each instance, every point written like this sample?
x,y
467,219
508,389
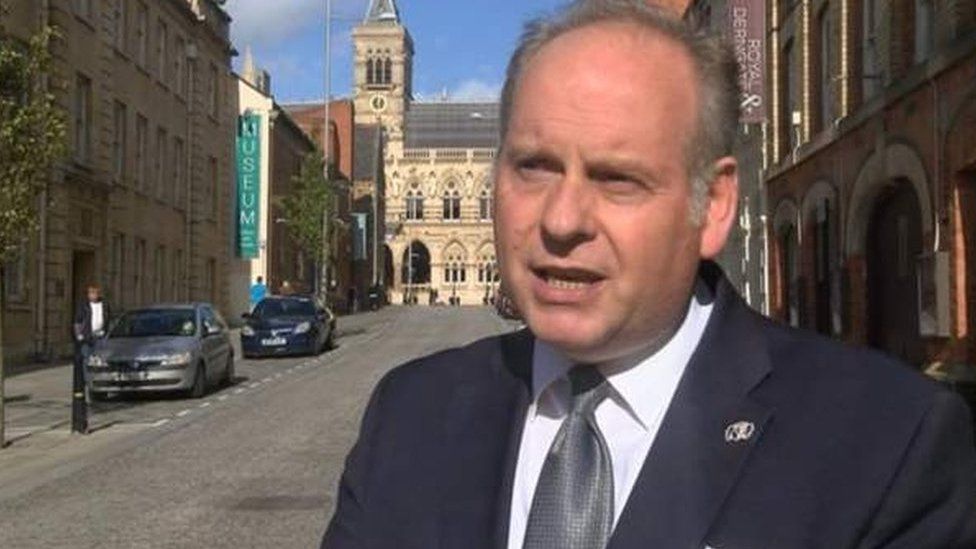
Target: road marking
x,y
160,423
183,413
203,405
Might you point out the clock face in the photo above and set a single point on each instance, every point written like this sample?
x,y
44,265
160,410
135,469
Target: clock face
x,y
378,103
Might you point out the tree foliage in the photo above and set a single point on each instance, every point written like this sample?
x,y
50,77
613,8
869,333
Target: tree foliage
x,y
304,207
32,135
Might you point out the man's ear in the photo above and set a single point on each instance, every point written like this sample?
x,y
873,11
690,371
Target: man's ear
x,y
721,207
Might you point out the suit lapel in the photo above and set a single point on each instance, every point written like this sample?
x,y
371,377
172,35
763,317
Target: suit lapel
x,y
483,432
692,466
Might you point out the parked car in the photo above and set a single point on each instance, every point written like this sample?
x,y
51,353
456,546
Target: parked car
x,y
287,325
179,347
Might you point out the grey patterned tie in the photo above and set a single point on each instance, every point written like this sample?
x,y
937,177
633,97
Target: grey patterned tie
x,y
573,503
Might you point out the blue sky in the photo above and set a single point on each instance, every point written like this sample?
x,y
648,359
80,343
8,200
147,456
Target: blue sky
x,y
461,46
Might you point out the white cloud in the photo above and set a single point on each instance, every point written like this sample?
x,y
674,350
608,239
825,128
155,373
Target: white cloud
x,y
476,90
270,22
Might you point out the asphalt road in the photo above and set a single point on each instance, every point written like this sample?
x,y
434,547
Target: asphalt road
x,y
252,465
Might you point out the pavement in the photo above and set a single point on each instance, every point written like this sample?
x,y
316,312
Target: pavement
x,y
251,465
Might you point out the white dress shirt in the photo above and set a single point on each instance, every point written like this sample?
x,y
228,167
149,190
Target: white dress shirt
x,y
97,317
643,389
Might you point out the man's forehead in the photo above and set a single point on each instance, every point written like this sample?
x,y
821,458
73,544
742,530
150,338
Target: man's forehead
x,y
621,51
632,37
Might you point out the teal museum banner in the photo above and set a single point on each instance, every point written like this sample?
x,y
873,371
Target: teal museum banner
x,y
248,186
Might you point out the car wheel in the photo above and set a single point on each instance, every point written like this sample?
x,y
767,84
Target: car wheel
x,y
330,341
199,387
229,371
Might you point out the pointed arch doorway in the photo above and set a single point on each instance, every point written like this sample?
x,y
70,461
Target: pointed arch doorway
x,y
894,243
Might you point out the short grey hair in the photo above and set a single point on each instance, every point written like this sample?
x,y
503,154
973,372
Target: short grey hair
x,y
713,60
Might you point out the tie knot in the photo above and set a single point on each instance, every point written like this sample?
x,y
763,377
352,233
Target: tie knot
x,y
589,388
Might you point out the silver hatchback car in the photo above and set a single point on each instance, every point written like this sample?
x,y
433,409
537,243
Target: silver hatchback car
x,y
180,347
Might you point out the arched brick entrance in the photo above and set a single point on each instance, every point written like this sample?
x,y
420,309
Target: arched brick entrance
x,y
894,242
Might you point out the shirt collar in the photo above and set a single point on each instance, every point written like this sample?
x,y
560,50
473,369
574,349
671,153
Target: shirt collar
x,y
642,383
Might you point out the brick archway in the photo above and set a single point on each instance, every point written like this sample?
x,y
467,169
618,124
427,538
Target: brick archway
x,y
879,173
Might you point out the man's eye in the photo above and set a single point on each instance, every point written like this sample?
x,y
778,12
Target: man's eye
x,y
617,181
536,168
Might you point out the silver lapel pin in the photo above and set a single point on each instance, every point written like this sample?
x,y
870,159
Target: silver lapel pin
x,y
740,431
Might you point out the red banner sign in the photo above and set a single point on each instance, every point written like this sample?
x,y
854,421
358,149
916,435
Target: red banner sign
x,y
747,31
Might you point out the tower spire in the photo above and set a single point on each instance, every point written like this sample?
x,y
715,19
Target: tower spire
x,y
248,69
382,11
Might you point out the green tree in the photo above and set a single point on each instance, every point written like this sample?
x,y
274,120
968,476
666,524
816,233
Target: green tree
x,y
309,212
32,139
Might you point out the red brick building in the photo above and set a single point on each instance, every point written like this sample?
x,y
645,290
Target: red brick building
x,y
344,288
872,177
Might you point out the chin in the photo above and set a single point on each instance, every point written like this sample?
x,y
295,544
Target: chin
x,y
578,336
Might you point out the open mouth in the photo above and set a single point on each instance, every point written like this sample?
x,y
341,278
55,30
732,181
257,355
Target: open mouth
x,y
568,279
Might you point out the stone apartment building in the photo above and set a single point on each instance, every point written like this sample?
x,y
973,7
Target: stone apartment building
x,y
872,183
141,205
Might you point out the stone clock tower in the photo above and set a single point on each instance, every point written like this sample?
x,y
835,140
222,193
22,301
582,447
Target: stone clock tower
x,y
383,70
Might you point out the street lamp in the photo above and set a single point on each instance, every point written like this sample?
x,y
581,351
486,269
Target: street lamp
x,y
326,145
409,292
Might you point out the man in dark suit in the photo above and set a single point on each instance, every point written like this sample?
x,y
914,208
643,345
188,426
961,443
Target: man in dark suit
x,y
646,405
91,317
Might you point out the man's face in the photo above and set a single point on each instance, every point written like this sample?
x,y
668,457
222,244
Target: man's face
x,y
592,226
94,294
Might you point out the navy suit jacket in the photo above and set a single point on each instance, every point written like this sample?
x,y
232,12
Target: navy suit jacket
x,y
851,449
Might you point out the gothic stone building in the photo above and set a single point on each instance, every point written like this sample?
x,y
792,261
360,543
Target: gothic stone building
x,y
437,160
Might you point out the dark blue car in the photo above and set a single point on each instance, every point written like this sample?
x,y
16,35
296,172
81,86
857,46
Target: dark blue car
x,y
287,325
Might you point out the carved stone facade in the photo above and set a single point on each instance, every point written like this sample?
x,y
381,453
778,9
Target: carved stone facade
x,y
437,165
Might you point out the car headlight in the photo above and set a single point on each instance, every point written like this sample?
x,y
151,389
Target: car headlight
x,y
96,361
177,359
303,327
247,331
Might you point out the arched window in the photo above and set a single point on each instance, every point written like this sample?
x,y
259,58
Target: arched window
x,y
387,71
454,268
452,203
369,72
487,269
485,205
415,204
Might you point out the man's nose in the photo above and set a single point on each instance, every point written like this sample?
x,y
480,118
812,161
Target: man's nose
x,y
567,215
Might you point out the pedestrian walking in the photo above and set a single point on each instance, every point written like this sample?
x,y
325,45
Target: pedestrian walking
x,y
258,291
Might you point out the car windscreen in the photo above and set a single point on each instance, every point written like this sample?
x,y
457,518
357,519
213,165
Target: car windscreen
x,y
270,308
155,323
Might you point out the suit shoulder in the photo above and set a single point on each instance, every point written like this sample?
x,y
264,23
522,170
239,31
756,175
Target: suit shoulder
x,y
852,373
446,367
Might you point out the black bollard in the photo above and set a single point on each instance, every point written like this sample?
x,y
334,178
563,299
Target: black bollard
x,y
79,406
